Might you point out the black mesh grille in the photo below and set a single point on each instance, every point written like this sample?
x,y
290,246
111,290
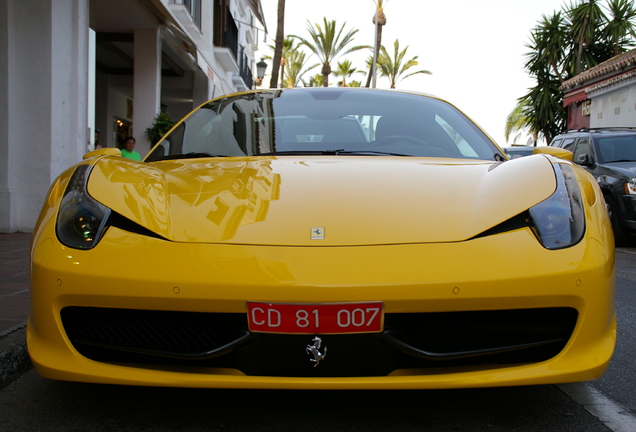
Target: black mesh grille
x,y
177,334
458,336
144,337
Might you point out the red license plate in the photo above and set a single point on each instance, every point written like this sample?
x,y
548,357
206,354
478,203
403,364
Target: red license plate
x,y
329,318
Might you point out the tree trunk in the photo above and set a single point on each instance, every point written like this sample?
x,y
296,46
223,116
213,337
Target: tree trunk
x,y
326,70
579,54
378,43
278,51
282,72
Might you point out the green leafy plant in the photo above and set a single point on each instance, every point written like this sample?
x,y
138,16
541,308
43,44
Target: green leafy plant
x,y
163,123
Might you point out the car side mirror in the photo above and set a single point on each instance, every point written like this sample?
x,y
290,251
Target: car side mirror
x,y
584,160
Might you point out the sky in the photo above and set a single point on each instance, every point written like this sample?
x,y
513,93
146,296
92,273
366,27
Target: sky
x,y
474,49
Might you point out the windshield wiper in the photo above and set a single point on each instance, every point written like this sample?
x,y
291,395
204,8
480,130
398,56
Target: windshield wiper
x,y
294,153
330,152
367,152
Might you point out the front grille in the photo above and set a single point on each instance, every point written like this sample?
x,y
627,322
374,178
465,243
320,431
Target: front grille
x,y
506,336
130,333
477,339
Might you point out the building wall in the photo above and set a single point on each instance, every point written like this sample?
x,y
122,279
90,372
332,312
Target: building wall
x,y
43,127
8,194
45,83
576,119
614,106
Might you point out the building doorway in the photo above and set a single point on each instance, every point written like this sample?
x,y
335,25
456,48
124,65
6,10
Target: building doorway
x,y
122,130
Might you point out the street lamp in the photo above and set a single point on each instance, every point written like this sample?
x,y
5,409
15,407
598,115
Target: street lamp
x,y
260,71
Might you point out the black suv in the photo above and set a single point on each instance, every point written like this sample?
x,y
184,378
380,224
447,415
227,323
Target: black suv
x,y
609,154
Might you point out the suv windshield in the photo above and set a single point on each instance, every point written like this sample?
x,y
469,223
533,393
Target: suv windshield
x,y
326,121
617,148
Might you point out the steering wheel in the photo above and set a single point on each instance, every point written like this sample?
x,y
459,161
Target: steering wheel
x,y
393,139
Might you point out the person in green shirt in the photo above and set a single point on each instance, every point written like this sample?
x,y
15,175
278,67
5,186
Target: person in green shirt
x,y
129,149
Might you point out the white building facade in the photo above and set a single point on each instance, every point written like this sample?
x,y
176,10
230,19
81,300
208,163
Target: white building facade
x,y
603,96
69,68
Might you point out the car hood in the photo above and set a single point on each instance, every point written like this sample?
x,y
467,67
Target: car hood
x,y
627,168
321,201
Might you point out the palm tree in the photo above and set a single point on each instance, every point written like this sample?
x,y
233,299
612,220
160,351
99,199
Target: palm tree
x,y
287,48
379,20
394,67
547,47
314,81
295,68
517,121
327,43
620,27
280,34
562,45
345,70
540,111
543,107
585,21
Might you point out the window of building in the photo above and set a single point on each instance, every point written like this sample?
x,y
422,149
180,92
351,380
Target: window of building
x,y
194,7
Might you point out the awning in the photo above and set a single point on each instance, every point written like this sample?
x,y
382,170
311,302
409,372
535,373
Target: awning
x,y
258,11
571,98
180,45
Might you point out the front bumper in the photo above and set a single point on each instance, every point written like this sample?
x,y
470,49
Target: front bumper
x,y
473,276
628,216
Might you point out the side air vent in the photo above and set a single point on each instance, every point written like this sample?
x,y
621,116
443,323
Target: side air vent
x,y
122,222
517,222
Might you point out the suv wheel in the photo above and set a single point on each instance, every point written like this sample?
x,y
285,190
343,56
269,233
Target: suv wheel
x,y
621,235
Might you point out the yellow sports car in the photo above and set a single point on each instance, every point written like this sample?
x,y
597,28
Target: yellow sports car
x,y
323,238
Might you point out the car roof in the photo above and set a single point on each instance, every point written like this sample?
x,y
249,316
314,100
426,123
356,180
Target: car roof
x,y
599,131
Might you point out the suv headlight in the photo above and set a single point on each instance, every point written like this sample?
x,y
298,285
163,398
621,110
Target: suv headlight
x,y
81,220
559,221
630,186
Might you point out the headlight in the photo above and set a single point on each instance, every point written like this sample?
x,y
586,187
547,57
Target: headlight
x,y
630,186
559,221
81,219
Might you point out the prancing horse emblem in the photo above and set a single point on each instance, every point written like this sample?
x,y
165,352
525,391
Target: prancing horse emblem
x,y
315,350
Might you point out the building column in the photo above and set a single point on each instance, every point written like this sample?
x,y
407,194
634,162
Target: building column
x,y
202,87
146,84
43,101
8,192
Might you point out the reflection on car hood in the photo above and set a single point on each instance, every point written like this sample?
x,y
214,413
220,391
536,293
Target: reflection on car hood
x,y
339,200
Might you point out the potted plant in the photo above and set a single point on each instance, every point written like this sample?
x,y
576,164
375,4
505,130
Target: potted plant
x,y
163,123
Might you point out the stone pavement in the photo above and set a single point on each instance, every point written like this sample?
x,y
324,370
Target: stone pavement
x,y
14,281
14,305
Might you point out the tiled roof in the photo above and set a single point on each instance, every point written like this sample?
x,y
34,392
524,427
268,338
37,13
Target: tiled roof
x,y
616,65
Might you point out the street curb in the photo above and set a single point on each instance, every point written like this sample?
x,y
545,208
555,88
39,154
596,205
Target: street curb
x,y
14,357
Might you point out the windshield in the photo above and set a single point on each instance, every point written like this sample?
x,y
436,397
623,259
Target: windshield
x,y
617,148
326,121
